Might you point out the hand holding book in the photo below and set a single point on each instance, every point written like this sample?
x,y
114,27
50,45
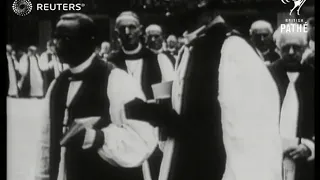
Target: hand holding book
x,y
76,132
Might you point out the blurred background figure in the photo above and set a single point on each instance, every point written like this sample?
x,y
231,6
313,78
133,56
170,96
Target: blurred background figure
x,y
50,64
154,38
308,56
181,42
105,50
31,82
172,43
13,67
155,42
261,32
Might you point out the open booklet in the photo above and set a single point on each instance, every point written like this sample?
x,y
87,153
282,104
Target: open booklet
x,y
78,125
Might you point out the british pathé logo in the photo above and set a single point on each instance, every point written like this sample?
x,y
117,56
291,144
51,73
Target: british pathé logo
x,y
297,5
24,7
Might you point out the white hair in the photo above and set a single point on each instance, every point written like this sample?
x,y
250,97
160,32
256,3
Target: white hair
x,y
127,16
260,24
279,36
172,38
153,27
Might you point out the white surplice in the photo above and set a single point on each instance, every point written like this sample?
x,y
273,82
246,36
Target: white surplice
x,y
250,107
36,80
54,63
13,65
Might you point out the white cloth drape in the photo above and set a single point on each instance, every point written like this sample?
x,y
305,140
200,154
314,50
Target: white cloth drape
x,y
250,114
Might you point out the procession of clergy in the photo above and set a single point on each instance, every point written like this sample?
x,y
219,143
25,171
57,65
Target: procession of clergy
x,y
238,109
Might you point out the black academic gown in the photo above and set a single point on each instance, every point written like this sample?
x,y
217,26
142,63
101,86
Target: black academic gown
x,y
199,151
305,92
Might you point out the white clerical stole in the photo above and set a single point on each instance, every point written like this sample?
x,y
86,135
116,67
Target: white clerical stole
x,y
290,109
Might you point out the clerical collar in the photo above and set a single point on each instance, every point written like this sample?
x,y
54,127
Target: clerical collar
x,y
293,76
135,51
171,49
81,67
157,51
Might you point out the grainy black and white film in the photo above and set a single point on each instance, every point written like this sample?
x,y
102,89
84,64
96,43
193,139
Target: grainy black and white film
x,y
160,89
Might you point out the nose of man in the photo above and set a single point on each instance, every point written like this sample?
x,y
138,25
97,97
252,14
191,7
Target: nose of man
x,y
127,31
291,51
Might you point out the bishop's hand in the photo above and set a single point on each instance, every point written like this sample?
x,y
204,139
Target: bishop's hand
x,y
298,152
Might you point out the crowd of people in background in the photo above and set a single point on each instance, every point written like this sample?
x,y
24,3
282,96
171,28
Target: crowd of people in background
x,y
222,82
31,72
32,80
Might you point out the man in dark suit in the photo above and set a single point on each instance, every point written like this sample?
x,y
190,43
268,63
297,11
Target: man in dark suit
x,y
295,81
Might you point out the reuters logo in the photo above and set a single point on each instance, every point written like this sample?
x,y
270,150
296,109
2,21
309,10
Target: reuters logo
x,y
22,7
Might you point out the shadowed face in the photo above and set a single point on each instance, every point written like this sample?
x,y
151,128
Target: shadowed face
x,y
72,45
129,32
262,39
172,42
154,39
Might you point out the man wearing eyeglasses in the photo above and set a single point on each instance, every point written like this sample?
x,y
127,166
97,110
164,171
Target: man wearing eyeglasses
x,y
85,133
261,36
295,80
